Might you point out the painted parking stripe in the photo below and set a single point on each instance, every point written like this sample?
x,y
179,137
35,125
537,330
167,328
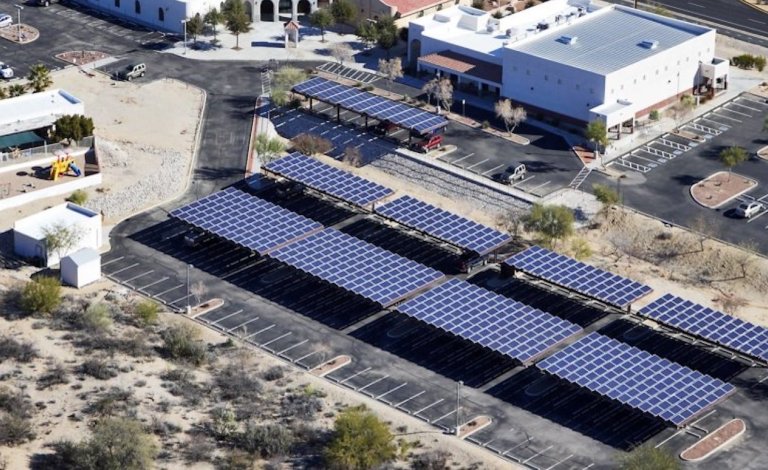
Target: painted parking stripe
x,y
225,317
168,290
142,289
398,405
291,347
112,261
123,269
428,407
251,320
380,397
355,375
126,281
264,345
247,338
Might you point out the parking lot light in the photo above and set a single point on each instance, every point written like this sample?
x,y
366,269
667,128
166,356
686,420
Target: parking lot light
x,y
184,27
189,307
18,21
458,407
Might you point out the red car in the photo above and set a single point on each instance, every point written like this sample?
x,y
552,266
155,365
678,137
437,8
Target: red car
x,y
430,143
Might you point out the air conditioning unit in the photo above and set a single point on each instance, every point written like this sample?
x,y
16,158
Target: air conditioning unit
x,y
649,44
565,39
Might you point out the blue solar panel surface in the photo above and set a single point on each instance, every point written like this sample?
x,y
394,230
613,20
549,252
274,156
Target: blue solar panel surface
x,y
575,275
710,324
636,378
372,105
330,180
357,266
443,224
246,220
488,319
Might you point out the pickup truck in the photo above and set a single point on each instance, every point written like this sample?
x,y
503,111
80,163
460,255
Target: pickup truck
x,y
429,143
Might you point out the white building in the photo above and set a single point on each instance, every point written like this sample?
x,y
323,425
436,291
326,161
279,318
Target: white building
x,y
29,232
36,110
570,60
81,268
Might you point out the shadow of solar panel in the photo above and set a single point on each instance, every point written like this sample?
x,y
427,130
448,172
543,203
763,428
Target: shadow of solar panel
x,y
330,180
375,106
490,320
636,378
246,220
575,275
710,324
444,225
357,266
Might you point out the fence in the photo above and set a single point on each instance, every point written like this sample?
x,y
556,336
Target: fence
x,y
27,155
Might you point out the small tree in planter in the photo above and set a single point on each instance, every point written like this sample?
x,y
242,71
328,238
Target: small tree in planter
x,y
597,134
511,116
731,157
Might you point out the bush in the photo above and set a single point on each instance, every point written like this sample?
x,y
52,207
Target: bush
x,y
479,4
654,115
302,406
310,144
15,429
434,460
273,373
605,194
147,312
760,63
55,375
114,401
223,424
361,440
78,197
41,295
19,351
73,127
182,343
266,440
96,318
353,157
485,125
238,384
198,449
98,369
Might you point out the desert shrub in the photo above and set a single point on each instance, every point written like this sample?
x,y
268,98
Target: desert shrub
x,y
235,460
163,429
485,124
115,401
301,405
180,383
78,197
20,351
96,318
41,295
310,144
15,429
353,157
98,369
236,383
147,312
222,424
182,343
361,440
273,373
266,440
198,449
433,460
654,115
56,374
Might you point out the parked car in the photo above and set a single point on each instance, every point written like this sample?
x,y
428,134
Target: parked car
x,y
132,71
46,3
746,210
5,20
427,144
6,71
513,173
196,237
469,261
384,127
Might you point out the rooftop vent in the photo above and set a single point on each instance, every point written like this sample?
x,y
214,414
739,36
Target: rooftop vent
x,y
568,39
648,44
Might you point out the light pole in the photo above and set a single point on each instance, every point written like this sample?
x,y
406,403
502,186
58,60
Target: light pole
x,y
458,407
18,24
463,108
189,307
184,27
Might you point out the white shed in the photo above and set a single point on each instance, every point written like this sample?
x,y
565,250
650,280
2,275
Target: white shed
x,y
81,268
82,227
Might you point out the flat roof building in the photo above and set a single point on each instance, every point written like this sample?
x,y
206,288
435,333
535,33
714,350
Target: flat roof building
x,y
35,110
570,59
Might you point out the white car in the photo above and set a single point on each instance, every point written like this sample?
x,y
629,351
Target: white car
x,y
748,209
5,20
6,71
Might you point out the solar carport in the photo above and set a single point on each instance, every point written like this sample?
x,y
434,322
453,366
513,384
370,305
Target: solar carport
x,y
369,105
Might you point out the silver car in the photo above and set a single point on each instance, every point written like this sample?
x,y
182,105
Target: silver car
x,y
5,20
746,210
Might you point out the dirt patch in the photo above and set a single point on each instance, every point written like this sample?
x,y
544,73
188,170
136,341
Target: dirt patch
x,y
715,441
205,307
326,368
719,188
585,155
82,57
20,35
688,135
473,426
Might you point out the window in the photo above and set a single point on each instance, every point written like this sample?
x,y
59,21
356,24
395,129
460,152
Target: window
x,y
591,91
546,77
137,7
559,82
160,14
117,3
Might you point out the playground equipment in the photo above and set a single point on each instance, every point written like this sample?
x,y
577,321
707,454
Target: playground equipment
x,y
62,165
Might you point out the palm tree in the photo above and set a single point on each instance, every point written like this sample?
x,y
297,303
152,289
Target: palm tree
x,y
16,90
39,78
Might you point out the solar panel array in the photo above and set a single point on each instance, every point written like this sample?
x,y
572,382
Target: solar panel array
x,y
710,324
488,319
367,103
636,378
246,220
330,180
357,266
443,224
575,275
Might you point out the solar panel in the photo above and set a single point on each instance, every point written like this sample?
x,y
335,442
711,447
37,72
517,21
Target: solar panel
x,y
357,266
488,319
375,106
710,324
246,220
575,275
330,180
636,378
443,224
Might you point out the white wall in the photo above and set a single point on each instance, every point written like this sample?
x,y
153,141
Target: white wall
x,y
79,276
173,10
90,230
27,247
55,190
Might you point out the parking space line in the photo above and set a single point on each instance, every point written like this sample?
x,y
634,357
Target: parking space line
x,y
111,261
536,454
379,397
242,325
725,107
264,345
528,440
428,407
173,302
462,158
168,290
410,398
726,117
291,347
745,106
124,269
537,187
443,417
225,317
355,375
755,217
142,288
485,173
304,357
478,163
372,383
126,281
559,462
266,328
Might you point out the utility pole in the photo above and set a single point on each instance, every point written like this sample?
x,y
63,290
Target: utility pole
x,y
458,407
18,23
184,26
189,307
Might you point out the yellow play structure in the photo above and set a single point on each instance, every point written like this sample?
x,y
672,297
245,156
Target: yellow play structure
x,y
62,165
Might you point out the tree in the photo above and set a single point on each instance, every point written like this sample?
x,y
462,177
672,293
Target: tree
x,y
367,32
214,17
3,93
607,196
683,108
236,19
444,93
392,69
61,238
195,26
39,78
268,148
310,144
361,441
597,134
73,127
552,222
341,52
731,157
283,81
118,444
343,11
323,19
353,157
182,342
16,90
649,458
386,33
41,295
510,115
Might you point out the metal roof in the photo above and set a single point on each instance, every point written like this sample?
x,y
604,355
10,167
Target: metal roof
x,y
609,40
83,256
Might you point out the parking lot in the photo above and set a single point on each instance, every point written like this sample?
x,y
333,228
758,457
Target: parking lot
x,y
664,190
